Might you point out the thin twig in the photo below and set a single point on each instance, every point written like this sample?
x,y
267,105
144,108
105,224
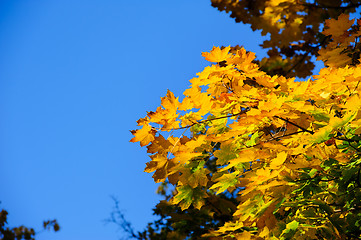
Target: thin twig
x,y
294,124
297,63
118,218
206,120
356,86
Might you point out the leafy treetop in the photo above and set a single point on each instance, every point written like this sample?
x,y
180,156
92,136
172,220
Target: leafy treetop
x,y
293,27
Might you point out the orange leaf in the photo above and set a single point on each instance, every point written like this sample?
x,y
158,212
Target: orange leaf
x,y
169,102
338,27
144,135
216,54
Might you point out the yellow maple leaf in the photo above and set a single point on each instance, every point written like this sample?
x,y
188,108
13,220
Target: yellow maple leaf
x,y
263,175
169,102
336,122
205,103
165,117
186,104
144,135
159,116
301,88
160,165
243,236
246,155
196,142
353,103
266,81
184,156
217,54
158,162
280,159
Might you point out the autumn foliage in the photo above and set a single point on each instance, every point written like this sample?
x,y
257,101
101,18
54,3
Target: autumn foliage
x,y
287,152
293,29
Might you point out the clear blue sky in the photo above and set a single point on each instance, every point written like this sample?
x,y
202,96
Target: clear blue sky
x,y
74,78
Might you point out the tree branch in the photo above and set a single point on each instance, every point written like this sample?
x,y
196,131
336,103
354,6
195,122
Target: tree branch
x,y
294,124
206,120
117,217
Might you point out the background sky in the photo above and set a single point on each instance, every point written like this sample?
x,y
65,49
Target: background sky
x,y
74,78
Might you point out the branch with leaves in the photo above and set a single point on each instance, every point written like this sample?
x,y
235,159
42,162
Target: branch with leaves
x,y
288,152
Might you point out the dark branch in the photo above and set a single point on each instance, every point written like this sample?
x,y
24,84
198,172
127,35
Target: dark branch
x,y
118,218
294,124
297,63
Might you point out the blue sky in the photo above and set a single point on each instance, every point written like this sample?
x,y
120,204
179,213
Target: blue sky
x,y
74,78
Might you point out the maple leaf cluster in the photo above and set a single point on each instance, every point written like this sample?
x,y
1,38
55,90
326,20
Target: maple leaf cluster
x,y
289,151
293,29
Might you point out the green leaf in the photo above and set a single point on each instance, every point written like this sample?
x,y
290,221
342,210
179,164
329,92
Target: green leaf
x,y
322,135
348,174
292,225
264,207
253,140
320,116
219,125
339,122
201,127
194,174
186,195
226,153
312,172
290,230
226,181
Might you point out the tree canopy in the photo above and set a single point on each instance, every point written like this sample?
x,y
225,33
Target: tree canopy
x,y
254,154
293,27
